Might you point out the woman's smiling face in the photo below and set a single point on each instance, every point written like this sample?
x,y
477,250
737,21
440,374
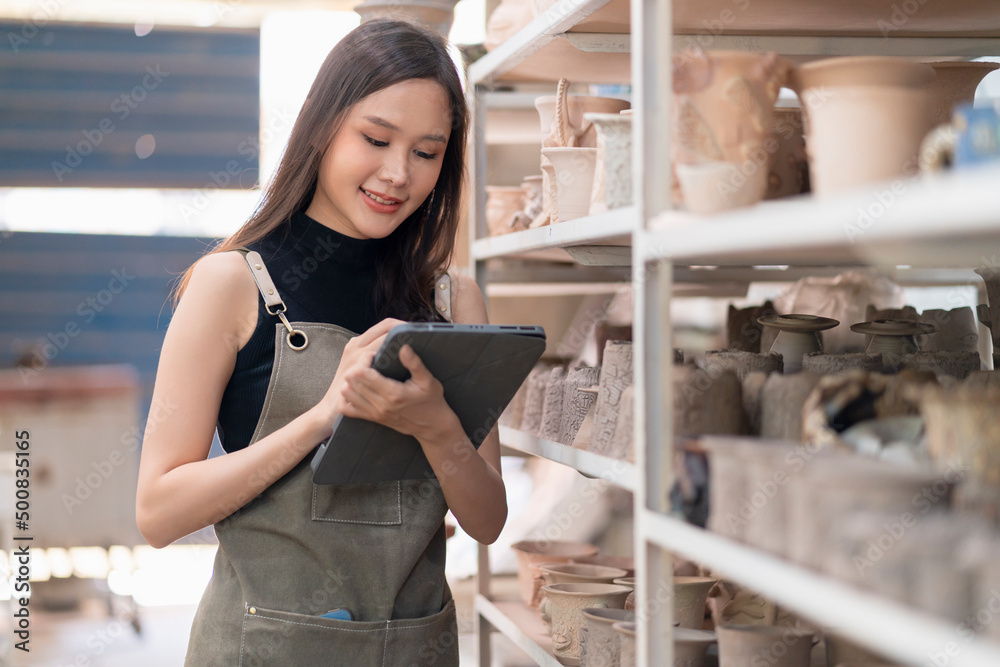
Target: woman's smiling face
x,y
384,161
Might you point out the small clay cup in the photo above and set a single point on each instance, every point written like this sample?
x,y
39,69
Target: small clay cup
x,y
544,551
563,608
603,648
748,645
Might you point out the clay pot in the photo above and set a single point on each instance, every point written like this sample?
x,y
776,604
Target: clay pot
x,y
690,594
602,647
827,490
630,582
552,404
626,563
575,129
742,363
797,336
574,181
748,645
708,402
576,403
953,364
956,330
502,205
533,187
626,642
563,609
509,17
616,375
691,646
955,84
840,651
711,187
534,400
544,551
723,113
613,172
854,71
579,573
781,402
438,15
622,445
743,331
789,173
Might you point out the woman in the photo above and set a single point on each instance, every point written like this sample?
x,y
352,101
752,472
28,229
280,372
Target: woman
x,y
352,235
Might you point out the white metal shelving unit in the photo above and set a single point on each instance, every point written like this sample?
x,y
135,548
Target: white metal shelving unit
x,y
934,232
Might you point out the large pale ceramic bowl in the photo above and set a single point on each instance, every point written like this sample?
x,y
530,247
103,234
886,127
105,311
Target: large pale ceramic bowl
x,y
544,551
860,71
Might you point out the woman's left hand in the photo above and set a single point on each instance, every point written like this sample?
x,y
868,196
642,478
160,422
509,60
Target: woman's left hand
x,y
416,407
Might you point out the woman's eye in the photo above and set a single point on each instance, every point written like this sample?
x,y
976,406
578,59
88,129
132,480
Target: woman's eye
x,y
426,156
375,142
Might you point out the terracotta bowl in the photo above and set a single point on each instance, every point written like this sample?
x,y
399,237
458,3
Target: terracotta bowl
x,y
544,551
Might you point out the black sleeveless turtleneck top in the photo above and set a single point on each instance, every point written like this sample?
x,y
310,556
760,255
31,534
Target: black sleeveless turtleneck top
x,y
322,276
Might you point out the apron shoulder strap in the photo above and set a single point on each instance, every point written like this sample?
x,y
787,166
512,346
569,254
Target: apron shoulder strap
x,y
263,279
442,295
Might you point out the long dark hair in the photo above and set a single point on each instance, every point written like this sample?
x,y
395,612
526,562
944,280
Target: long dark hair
x,y
372,57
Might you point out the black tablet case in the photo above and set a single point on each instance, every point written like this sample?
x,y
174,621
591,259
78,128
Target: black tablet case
x,y
480,366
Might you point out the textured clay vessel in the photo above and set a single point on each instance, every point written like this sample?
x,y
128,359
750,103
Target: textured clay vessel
x,y
691,646
626,563
502,204
563,609
989,314
711,187
887,102
579,573
751,645
723,112
626,638
956,330
690,594
602,646
438,15
574,181
567,127
544,551
797,336
613,173
616,376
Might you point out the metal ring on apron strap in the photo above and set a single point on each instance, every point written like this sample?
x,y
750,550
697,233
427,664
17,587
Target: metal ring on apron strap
x,y
291,331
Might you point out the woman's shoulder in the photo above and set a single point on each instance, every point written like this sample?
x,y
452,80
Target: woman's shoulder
x,y
223,277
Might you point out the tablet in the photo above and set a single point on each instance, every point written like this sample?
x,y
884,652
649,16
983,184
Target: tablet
x,y
480,366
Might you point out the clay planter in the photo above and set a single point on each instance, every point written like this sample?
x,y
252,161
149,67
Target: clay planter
x,y
574,181
552,405
708,402
602,647
563,609
534,400
626,642
576,403
742,363
887,102
711,187
830,489
578,573
690,595
781,401
616,375
750,645
575,129
893,338
690,647
626,563
723,113
502,205
956,330
955,84
630,582
544,551
613,172
437,15
797,335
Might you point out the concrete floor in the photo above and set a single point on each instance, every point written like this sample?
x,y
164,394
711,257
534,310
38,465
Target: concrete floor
x,y
91,637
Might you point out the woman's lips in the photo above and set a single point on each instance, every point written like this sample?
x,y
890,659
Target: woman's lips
x,y
384,204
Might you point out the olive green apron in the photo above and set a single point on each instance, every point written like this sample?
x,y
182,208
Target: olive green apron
x,y
299,549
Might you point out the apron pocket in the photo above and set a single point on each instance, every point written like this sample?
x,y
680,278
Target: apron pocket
x,y
378,504
274,638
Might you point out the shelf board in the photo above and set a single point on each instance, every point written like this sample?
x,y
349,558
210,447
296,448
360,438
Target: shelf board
x,y
522,625
608,229
617,472
949,221
900,633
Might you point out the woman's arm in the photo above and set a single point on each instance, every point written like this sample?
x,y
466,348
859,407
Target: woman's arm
x,y
470,479
180,490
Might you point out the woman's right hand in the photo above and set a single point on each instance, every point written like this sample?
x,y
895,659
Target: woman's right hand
x,y
359,352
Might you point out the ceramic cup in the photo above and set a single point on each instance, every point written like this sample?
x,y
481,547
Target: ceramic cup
x,y
626,643
602,646
691,647
574,181
544,551
690,595
562,608
750,645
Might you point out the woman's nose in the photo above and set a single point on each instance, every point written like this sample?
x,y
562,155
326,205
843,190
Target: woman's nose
x,y
395,170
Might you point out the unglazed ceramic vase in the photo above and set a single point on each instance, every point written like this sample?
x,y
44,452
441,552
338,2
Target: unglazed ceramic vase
x,y
626,642
613,172
603,647
691,646
750,645
690,594
956,330
574,129
798,335
893,338
563,608
626,563
955,84
544,551
711,187
574,181
438,15
579,573
887,102
616,376
502,204
723,112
